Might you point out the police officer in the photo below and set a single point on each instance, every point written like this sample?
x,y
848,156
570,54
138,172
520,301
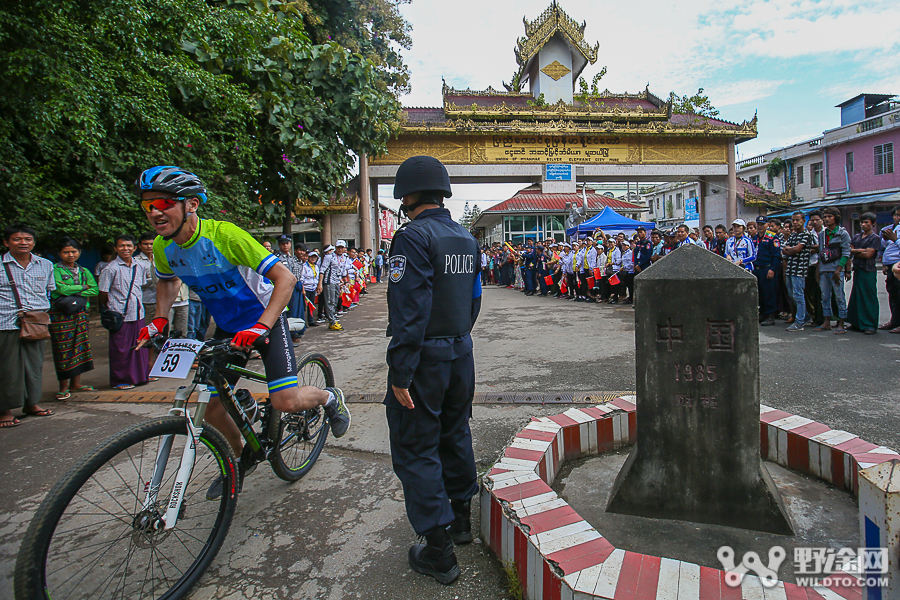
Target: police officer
x,y
541,271
766,269
434,296
530,259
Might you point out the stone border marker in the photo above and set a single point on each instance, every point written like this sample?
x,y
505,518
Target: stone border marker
x,y
697,358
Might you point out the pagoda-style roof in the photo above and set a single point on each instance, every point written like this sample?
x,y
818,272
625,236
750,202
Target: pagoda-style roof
x,y
492,104
425,121
347,202
753,195
491,112
552,21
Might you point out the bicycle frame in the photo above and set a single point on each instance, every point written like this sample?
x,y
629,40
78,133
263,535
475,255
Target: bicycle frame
x,y
205,372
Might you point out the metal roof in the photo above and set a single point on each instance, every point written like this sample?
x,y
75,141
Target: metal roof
x,y
536,201
871,99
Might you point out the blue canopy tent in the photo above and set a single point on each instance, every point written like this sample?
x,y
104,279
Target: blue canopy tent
x,y
610,222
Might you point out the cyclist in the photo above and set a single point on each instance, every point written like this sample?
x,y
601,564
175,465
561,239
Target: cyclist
x,y
244,287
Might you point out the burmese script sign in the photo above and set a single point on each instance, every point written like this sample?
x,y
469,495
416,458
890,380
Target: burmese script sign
x,y
554,149
528,148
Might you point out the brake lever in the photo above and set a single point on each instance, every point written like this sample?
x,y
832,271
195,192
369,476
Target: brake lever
x,y
158,340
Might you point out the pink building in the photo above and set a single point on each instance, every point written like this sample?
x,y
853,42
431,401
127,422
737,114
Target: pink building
x,y
861,172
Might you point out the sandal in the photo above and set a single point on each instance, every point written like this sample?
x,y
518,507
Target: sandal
x,y
153,379
895,330
14,422
38,413
123,386
65,396
84,388
820,328
840,331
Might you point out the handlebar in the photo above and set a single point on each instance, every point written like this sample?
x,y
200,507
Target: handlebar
x,y
209,348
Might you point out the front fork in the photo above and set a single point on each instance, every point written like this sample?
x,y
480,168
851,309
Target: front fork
x,y
195,428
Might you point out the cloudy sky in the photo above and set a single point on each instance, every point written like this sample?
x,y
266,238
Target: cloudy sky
x,y
790,61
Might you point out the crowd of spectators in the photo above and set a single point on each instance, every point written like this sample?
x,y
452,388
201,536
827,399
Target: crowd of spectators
x,y
801,265
123,284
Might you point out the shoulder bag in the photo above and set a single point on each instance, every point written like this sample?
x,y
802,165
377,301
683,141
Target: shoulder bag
x,y
72,304
833,250
111,320
34,325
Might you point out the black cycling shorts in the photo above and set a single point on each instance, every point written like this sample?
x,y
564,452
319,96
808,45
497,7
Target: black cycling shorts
x,y
277,356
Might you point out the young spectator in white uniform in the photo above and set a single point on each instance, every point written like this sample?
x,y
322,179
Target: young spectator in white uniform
x,y
739,248
310,280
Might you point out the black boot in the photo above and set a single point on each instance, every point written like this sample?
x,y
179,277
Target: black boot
x,y
435,557
461,527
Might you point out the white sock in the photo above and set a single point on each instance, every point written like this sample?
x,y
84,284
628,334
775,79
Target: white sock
x,y
332,399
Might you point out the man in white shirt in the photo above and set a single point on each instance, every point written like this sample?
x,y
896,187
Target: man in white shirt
x,y
310,280
120,290
21,361
331,274
683,236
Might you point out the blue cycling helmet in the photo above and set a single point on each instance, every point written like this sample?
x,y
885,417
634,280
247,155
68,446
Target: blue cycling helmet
x,y
172,180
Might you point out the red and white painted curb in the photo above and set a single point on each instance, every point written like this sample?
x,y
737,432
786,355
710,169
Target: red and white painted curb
x,y
558,555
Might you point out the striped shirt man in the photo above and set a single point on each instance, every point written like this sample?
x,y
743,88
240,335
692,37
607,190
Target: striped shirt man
x,y
34,282
116,279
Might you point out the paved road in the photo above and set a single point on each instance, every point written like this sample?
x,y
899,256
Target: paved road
x,y
341,532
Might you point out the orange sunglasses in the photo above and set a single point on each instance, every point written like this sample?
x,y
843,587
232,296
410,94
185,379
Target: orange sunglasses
x,y
160,204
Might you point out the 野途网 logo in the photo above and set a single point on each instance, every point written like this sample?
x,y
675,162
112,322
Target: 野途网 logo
x,y
397,267
768,574
848,567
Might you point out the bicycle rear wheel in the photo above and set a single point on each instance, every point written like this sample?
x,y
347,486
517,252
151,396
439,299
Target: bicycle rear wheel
x,y
298,438
92,539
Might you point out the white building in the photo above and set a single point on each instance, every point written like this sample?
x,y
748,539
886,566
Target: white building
x,y
800,166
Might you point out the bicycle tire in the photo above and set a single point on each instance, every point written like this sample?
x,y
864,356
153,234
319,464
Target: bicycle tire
x,y
47,542
292,456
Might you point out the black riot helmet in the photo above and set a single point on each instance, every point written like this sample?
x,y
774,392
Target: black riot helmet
x,y
421,174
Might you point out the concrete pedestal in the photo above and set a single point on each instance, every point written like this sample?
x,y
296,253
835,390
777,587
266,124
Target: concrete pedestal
x,y
697,358
879,527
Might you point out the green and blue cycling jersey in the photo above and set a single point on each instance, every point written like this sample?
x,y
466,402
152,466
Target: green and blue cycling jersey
x,y
225,267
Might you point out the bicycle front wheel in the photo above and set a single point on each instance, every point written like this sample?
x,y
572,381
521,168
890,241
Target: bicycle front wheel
x,y
95,537
298,438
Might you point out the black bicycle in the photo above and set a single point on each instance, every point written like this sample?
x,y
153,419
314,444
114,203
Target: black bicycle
x,y
131,519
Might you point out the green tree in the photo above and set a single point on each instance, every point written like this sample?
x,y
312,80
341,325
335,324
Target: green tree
x,y
466,219
92,93
375,29
698,105
474,216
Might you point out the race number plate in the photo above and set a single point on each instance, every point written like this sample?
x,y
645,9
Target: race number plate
x,y
175,358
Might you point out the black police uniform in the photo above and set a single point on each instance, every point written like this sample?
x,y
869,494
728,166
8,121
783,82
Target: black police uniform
x,y
529,260
541,272
434,296
768,257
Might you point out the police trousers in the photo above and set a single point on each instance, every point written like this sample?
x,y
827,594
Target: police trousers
x,y
542,281
431,445
529,280
768,291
